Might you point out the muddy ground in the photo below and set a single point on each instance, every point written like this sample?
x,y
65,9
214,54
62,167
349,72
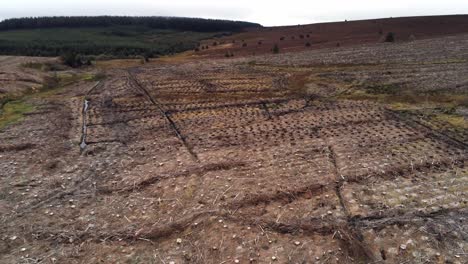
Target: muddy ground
x,y
259,160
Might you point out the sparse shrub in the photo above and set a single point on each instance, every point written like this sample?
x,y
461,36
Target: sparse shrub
x,y
46,67
338,44
50,82
84,60
197,49
215,44
108,102
390,37
147,55
32,65
244,45
464,102
308,44
75,60
301,36
54,183
71,59
96,77
275,49
260,42
307,36
282,38
293,37
142,59
380,32
101,57
412,38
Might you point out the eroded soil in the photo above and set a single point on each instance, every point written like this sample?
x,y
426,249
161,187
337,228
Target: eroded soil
x,y
237,162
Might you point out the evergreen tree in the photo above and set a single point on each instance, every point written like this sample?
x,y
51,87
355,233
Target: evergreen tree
x,y
276,49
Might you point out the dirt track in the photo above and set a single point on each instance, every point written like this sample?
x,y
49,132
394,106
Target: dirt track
x,y
235,162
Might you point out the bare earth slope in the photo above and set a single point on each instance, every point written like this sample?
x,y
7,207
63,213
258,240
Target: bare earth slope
x,y
269,159
15,78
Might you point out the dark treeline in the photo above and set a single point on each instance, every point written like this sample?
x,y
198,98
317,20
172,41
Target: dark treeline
x,y
52,49
173,23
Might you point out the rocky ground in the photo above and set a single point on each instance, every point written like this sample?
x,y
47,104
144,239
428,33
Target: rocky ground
x,y
316,157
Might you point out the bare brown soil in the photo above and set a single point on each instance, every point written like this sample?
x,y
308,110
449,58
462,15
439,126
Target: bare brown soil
x,y
270,159
17,79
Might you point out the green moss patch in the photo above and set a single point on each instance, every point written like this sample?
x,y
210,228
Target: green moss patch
x,y
13,112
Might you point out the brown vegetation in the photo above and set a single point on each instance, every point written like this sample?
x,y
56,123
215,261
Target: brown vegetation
x,y
350,33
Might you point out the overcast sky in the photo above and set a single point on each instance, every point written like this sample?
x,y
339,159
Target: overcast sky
x,y
268,13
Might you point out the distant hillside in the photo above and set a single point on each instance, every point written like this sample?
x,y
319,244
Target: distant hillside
x,y
332,35
172,23
110,35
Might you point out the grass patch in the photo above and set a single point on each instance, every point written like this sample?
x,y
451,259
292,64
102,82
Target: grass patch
x,y
298,84
33,65
13,112
61,80
91,77
453,119
390,89
44,67
14,106
393,97
442,111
